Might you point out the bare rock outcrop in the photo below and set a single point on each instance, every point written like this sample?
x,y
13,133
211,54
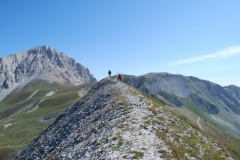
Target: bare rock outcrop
x,y
42,62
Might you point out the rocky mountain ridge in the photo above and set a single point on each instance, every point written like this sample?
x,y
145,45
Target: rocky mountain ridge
x,y
42,62
116,121
217,104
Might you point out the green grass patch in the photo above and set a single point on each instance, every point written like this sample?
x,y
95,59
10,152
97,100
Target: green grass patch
x,y
26,126
178,152
6,153
153,109
119,143
195,109
149,97
123,125
137,154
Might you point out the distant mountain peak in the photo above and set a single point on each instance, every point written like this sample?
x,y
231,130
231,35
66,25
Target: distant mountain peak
x,y
42,62
43,50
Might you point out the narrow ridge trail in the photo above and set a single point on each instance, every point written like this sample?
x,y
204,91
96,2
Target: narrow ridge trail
x,y
198,121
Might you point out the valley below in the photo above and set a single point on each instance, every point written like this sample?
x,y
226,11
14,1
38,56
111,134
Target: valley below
x,y
31,110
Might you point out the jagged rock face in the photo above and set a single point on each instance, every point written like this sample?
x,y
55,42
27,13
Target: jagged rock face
x,y
115,121
42,62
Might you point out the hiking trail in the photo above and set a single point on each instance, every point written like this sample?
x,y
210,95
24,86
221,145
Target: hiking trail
x,y
198,121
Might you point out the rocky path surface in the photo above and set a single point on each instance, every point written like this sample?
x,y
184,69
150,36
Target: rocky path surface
x,y
115,121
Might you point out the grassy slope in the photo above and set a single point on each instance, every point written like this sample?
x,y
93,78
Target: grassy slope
x,y
26,126
214,129
211,131
232,144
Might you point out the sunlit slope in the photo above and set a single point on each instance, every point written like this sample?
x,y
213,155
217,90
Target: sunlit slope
x,y
116,121
218,105
215,132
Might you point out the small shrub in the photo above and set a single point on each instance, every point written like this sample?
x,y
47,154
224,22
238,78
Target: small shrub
x,y
120,125
125,109
234,151
143,126
120,142
154,121
178,152
160,134
184,118
153,110
217,156
161,118
164,154
104,141
137,154
148,122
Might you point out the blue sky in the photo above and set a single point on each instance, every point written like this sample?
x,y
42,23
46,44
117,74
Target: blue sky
x,y
198,38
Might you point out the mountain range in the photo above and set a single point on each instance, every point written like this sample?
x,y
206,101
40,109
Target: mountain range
x,y
53,108
216,104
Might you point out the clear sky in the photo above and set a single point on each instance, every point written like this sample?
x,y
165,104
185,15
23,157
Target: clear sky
x,y
198,38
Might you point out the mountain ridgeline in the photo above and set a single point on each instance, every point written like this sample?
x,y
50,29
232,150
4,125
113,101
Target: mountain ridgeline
x,y
153,116
216,104
116,121
44,63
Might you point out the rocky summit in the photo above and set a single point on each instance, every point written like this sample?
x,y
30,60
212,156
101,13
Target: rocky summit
x,y
116,121
44,63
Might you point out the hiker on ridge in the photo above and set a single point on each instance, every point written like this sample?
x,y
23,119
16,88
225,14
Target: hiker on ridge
x,y
109,73
120,76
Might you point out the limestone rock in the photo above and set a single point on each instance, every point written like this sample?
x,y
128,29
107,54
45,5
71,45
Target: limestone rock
x,y
42,62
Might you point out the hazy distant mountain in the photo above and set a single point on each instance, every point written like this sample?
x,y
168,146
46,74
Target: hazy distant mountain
x,y
44,63
218,105
116,121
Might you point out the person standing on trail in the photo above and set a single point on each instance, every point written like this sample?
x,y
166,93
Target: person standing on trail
x,y
109,73
120,76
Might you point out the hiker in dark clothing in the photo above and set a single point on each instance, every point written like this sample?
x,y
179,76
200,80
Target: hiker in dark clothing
x,y
119,76
109,73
